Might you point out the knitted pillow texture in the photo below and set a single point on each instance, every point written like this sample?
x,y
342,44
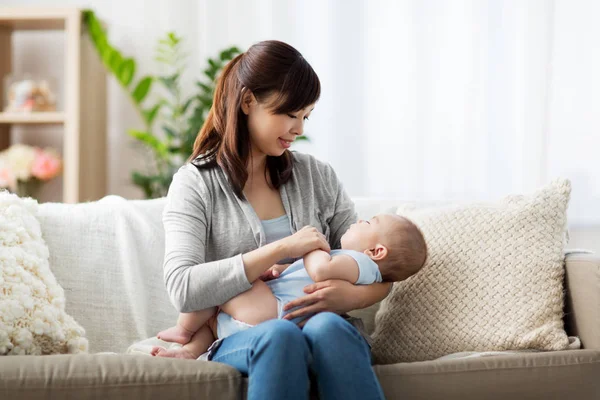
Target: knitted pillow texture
x,y
32,304
493,280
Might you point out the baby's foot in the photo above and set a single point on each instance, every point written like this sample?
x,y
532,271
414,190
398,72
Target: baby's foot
x,y
156,349
176,334
174,353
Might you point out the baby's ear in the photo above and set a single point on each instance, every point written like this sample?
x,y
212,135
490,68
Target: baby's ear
x,y
378,253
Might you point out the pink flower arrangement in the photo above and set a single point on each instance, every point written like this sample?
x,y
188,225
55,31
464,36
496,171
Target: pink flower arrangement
x,y
22,165
46,165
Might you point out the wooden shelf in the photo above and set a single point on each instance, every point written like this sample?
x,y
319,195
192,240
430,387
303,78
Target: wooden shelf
x,y
34,118
83,118
35,18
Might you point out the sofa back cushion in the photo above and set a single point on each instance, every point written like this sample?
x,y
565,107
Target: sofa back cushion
x,y
108,255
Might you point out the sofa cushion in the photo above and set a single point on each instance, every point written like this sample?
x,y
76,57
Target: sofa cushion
x,y
564,374
32,304
107,376
493,280
568,374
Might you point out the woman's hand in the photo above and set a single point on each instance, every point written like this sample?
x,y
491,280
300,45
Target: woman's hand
x,y
273,272
332,295
304,241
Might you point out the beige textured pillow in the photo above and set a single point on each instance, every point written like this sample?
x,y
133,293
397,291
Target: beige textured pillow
x,y
32,303
493,280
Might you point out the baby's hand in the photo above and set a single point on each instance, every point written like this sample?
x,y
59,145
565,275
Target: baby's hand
x,y
273,272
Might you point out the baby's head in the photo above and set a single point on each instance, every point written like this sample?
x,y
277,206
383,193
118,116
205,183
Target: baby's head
x,y
393,242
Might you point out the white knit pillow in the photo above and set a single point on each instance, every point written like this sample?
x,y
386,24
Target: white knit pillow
x,y
32,304
493,280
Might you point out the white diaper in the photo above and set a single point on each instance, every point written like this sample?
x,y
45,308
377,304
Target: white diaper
x,y
227,325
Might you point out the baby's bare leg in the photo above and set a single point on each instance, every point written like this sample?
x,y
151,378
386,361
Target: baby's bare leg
x,y
187,325
200,342
254,306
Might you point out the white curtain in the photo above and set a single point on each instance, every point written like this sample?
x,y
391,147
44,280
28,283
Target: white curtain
x,y
430,100
442,100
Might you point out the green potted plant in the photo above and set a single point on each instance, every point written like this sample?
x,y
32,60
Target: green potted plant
x,y
179,117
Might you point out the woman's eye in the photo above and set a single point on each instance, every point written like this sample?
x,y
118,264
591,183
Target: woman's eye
x,y
294,117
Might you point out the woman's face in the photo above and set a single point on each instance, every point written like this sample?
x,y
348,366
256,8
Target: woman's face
x,y
271,134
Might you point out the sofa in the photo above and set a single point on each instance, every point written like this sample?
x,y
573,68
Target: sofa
x,y
107,256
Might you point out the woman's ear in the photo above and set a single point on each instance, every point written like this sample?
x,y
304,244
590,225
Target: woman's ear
x,y
378,253
248,100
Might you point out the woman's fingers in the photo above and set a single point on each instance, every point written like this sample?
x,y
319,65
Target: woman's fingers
x,y
303,301
316,286
322,242
306,240
312,309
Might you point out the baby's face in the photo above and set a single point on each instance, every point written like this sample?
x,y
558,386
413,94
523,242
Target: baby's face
x,y
364,235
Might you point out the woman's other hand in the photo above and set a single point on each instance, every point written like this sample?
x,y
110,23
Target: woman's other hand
x,y
332,295
304,241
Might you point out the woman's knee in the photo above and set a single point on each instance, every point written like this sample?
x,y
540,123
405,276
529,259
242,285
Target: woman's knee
x,y
280,332
323,321
327,324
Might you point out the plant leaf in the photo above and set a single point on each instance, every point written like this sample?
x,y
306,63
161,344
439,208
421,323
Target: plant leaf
x,y
151,113
106,56
126,71
143,181
205,87
205,100
142,89
170,82
149,140
186,105
174,39
115,59
169,131
229,53
94,27
210,73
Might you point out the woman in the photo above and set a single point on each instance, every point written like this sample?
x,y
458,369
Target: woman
x,y
242,179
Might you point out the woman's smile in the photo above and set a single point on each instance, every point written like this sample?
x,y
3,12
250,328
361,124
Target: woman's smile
x,y
285,143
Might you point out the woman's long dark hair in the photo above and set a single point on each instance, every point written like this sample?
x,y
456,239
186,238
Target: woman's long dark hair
x,y
267,68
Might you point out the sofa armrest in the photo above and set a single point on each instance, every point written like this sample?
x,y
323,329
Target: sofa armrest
x,y
582,303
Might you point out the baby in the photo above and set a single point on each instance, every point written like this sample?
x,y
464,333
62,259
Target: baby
x,y
387,248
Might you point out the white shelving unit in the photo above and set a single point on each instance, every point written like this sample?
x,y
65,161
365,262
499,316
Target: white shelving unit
x,y
84,122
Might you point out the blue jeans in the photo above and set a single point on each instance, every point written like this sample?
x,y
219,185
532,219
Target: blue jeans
x,y
277,356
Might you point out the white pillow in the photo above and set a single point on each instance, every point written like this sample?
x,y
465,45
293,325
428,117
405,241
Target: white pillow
x,y
493,280
32,304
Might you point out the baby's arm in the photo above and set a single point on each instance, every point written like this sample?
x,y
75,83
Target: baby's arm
x,y
321,266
